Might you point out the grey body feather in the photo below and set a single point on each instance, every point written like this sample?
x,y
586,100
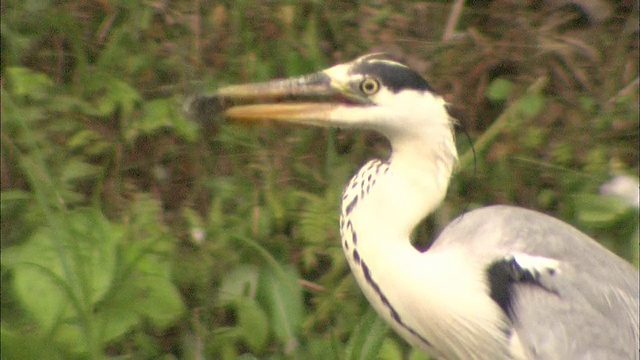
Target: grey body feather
x,y
586,310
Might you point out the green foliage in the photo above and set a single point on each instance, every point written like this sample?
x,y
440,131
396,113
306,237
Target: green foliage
x,y
76,274
238,291
368,337
284,299
129,231
499,89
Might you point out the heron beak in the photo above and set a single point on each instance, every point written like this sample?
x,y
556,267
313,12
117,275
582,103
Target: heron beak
x,y
308,100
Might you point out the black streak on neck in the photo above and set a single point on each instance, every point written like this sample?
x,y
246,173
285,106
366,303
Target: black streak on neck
x,y
385,301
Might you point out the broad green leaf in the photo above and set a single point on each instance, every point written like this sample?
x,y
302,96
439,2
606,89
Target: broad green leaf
x,y
28,83
97,239
284,299
116,318
224,340
158,300
417,354
70,335
117,314
366,340
253,323
140,294
15,345
49,271
599,210
240,282
38,283
390,350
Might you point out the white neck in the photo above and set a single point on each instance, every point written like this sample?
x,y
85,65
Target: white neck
x,y
413,291
420,169
413,186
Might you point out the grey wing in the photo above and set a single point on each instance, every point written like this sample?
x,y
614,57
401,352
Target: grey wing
x,y
566,324
566,296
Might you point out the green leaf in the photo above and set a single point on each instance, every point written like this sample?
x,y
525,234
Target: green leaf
x,y
158,300
390,350
59,275
156,114
28,83
70,335
366,340
531,104
76,169
15,345
82,138
37,278
116,318
110,93
499,89
599,210
160,114
11,201
118,313
241,281
417,354
284,299
50,271
253,322
97,240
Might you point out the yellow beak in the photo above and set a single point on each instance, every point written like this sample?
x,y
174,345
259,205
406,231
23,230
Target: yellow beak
x,y
308,100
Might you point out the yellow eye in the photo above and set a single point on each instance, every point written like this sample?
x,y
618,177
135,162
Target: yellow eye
x,y
369,86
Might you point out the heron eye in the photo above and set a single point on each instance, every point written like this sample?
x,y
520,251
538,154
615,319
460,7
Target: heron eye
x,y
369,86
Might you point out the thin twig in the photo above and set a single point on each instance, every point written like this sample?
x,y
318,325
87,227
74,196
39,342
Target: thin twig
x,y
632,86
196,29
453,20
311,285
104,29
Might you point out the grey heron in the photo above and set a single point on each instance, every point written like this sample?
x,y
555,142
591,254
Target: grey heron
x,y
500,282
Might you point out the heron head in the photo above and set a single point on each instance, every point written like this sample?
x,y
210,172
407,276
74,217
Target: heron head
x,y
371,92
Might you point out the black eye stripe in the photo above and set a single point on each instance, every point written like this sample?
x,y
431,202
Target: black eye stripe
x,y
392,75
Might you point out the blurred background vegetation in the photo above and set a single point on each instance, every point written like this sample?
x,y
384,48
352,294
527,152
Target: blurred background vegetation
x,y
130,232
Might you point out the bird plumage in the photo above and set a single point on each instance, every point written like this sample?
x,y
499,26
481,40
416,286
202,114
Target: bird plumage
x,y
586,308
499,282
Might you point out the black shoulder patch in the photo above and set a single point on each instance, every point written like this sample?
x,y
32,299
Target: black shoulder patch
x,y
394,76
500,277
503,274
